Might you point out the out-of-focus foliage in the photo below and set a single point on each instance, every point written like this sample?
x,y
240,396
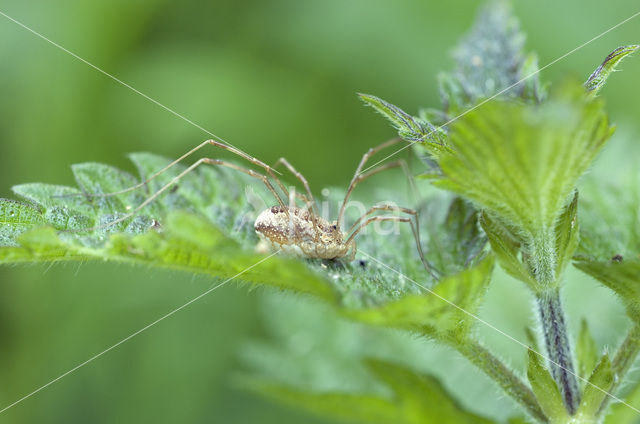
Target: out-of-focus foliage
x,y
322,358
610,240
489,60
414,399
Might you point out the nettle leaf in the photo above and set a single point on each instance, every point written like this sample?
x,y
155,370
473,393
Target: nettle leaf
x,y
413,399
596,390
460,243
205,225
41,244
619,413
64,207
532,88
521,162
15,219
610,233
345,407
609,249
510,248
621,277
421,397
403,122
586,351
567,234
532,338
186,243
490,59
409,128
546,390
506,247
599,77
434,314
197,241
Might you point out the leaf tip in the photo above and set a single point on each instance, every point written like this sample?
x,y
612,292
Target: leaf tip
x,y
599,77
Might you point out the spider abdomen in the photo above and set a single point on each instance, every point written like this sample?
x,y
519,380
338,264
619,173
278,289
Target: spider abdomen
x,y
292,230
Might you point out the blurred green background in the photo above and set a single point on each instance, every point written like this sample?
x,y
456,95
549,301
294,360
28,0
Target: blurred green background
x,y
275,78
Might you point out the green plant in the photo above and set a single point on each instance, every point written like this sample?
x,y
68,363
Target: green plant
x,y
513,164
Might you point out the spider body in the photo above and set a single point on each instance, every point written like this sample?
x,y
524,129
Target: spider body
x,y
296,231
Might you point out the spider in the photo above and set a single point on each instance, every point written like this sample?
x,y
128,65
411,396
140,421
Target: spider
x,y
297,230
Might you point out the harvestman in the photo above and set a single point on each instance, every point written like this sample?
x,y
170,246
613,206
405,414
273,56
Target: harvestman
x,y
301,231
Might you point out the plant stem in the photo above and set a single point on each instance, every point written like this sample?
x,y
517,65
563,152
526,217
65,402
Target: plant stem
x,y
542,265
503,375
558,347
622,361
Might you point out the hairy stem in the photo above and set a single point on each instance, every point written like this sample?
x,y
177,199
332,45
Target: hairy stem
x,y
558,347
622,361
503,375
542,264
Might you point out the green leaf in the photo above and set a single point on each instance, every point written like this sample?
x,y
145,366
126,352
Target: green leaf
x,y
507,250
532,338
599,77
521,162
49,195
621,277
567,234
64,207
421,398
609,249
409,128
187,243
400,119
41,244
610,233
414,399
15,219
532,89
460,243
345,407
205,225
596,390
621,413
433,313
546,390
586,351
490,59
96,178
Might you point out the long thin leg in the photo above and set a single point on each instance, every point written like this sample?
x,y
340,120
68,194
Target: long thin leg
x,y
414,228
400,163
175,179
385,207
357,177
215,143
301,178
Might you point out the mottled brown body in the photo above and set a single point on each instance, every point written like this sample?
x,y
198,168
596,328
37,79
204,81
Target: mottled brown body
x,y
293,230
